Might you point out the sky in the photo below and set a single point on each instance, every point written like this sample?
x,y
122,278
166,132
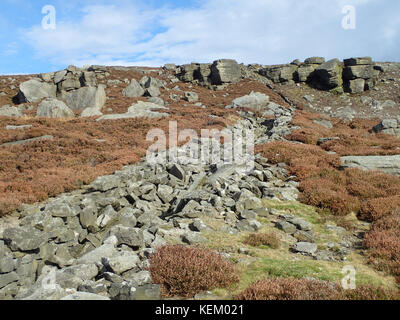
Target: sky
x,y
155,32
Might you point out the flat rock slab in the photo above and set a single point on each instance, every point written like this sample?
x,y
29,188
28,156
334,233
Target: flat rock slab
x,y
20,142
387,164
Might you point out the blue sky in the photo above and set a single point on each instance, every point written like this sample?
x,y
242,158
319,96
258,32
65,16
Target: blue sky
x,y
154,32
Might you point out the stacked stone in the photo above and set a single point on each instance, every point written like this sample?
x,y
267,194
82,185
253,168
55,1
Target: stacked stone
x,y
359,74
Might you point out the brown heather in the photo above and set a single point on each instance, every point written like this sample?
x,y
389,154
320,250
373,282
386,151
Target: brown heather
x,y
185,271
263,239
305,289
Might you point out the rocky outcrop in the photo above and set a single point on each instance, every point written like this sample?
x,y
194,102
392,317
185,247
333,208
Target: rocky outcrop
x,y
387,164
354,75
389,126
218,73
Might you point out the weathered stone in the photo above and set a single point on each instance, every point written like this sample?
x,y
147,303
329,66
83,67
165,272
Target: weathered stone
x,y
7,264
133,90
191,96
329,75
24,238
193,238
315,60
363,72
177,171
301,224
254,100
53,108
387,164
306,247
225,71
59,76
86,97
8,111
60,209
90,112
84,296
122,262
131,237
357,86
95,256
6,279
35,90
304,73
303,236
357,61
248,225
286,227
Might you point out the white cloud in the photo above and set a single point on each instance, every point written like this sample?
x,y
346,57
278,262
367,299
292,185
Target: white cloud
x,y
262,31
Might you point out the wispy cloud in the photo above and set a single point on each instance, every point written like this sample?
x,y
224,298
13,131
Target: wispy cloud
x,y
263,31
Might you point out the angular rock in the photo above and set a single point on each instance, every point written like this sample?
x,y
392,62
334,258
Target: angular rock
x,y
329,75
193,238
122,262
35,90
357,61
86,97
132,237
286,227
6,279
53,108
387,164
84,296
254,100
225,71
306,247
191,96
8,111
133,90
24,238
314,60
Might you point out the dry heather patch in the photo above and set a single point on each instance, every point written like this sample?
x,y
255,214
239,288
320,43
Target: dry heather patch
x,y
185,271
305,289
383,244
263,239
355,137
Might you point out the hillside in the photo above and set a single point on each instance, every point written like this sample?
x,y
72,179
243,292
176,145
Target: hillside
x,y
83,207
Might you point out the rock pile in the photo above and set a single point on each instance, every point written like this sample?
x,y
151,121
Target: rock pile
x,y
77,88
354,75
95,242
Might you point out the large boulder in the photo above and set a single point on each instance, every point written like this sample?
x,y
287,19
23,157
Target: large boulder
x,y
53,108
225,71
24,238
35,90
314,60
254,100
329,75
387,164
134,90
360,71
8,111
279,74
86,97
357,61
